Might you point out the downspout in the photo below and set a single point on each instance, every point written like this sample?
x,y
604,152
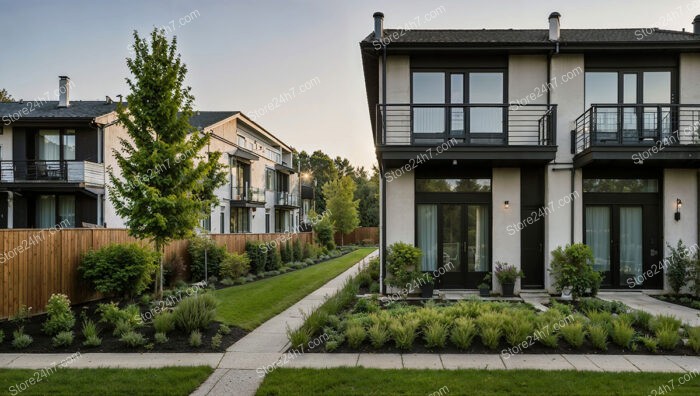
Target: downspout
x,y
378,35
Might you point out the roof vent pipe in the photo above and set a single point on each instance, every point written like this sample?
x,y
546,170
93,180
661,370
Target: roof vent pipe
x,y
63,91
378,25
696,24
554,26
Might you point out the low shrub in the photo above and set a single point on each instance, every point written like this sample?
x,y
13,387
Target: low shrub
x,y
20,340
164,322
234,265
64,338
195,312
355,334
323,229
92,341
215,254
573,267
403,261
622,333
643,319
89,329
2,336
257,254
490,329
195,339
574,334
59,315
299,338
160,338
111,314
120,269
122,327
463,333
404,333
598,335
133,339
297,252
665,322
517,327
378,335
21,317
650,343
668,337
224,329
694,338
216,341
366,305
435,335
678,267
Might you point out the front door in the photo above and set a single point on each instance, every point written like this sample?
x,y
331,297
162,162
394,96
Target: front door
x,y
625,243
464,245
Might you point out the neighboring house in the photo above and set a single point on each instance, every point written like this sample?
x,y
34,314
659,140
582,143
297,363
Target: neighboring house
x,y
501,145
55,156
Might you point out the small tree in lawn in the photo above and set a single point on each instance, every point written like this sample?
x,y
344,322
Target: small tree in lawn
x,y
165,186
339,195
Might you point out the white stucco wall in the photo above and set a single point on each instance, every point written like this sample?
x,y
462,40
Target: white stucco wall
x,y
505,186
680,183
527,76
690,78
398,91
569,97
400,209
6,142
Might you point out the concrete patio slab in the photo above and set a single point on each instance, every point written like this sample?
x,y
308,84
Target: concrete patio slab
x,y
581,363
643,302
380,360
248,361
422,361
472,361
324,360
538,362
654,363
688,363
612,363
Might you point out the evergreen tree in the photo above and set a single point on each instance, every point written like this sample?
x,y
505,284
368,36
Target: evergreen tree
x,y
164,185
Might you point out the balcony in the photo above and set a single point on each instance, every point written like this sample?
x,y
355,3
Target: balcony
x,y
84,173
648,134
248,195
496,133
286,200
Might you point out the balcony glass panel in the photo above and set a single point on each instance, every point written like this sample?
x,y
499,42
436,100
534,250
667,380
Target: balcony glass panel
x,y
621,185
429,120
486,88
453,185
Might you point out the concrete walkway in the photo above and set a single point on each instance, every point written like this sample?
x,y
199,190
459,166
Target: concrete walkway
x,y
643,302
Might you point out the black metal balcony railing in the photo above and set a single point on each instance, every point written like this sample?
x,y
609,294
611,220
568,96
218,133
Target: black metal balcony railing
x,y
637,124
52,170
467,124
248,194
284,198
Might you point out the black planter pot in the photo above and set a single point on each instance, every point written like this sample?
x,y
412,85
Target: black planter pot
x,y
485,292
427,290
508,289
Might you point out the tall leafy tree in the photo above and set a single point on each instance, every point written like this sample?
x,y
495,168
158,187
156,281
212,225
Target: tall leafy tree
x,y
367,193
340,202
4,96
166,184
322,169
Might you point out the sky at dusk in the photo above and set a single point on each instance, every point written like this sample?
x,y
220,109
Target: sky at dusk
x,y
242,54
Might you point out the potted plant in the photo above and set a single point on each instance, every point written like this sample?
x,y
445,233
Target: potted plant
x,y
485,286
507,275
427,284
572,270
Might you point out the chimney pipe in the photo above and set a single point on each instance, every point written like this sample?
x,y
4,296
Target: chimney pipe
x,y
63,91
378,25
696,25
554,26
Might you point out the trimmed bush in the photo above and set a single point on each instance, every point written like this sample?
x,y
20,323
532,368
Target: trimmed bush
x,y
404,333
378,335
133,339
215,255
257,254
403,262
355,334
120,269
234,265
490,329
59,316
574,334
463,333
573,267
435,335
598,334
64,338
324,231
195,312
296,250
622,333
679,266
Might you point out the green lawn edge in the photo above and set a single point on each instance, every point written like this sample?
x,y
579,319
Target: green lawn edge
x,y
104,381
249,305
361,381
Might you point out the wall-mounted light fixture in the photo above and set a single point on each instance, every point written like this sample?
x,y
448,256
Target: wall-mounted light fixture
x,y
677,215
506,204
454,162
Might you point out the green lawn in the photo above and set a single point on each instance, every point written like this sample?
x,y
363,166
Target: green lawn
x,y
248,306
68,381
360,381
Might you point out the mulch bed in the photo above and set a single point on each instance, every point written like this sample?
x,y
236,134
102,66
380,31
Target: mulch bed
x,y
686,300
178,341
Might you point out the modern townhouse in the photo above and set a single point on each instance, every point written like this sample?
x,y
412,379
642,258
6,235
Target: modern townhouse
x,y
55,156
501,145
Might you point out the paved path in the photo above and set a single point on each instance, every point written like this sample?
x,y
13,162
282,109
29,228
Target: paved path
x,y
641,301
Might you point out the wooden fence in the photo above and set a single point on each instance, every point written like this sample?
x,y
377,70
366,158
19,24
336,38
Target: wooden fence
x,y
367,235
36,263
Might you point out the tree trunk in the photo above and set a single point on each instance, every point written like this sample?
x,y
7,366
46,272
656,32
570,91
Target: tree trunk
x,y
160,249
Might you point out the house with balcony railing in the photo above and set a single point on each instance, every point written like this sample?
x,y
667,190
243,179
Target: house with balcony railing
x,y
54,157
499,145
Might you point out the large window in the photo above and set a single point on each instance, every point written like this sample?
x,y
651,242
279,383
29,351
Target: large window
x,y
270,179
240,220
453,185
620,185
68,139
474,105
